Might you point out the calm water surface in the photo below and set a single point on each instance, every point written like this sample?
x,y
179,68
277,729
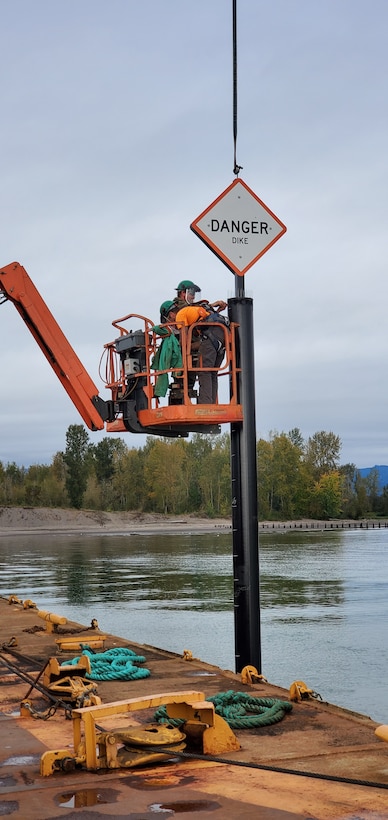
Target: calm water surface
x,y
324,600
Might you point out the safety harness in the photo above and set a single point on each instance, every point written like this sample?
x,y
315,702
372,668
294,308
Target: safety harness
x,y
209,333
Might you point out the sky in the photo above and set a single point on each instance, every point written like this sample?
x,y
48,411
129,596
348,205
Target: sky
x,y
117,132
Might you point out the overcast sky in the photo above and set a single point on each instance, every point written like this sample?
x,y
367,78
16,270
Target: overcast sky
x,y
117,131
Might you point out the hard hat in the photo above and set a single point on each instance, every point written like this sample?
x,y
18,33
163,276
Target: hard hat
x,y
185,284
166,306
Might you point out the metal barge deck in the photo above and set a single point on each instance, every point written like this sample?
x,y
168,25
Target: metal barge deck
x,y
318,762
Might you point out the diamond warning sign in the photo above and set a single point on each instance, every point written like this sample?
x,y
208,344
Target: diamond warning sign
x,y
238,227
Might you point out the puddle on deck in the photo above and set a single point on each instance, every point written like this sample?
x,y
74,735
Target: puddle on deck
x,y
86,797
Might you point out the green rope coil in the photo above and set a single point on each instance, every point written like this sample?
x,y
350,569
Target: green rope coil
x,y
114,664
240,710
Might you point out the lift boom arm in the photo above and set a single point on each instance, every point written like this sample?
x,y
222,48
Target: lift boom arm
x,y
17,287
136,405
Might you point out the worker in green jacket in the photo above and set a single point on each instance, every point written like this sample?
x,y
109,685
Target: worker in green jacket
x,y
168,355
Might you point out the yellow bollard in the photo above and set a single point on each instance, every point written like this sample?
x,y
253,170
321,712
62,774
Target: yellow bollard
x,y
52,621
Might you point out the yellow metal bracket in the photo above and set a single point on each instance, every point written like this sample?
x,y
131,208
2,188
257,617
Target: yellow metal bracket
x,y
300,691
136,747
54,671
75,644
92,744
250,675
28,604
13,599
74,690
201,724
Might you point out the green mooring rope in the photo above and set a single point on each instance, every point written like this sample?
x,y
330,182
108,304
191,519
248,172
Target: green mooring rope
x,y
240,710
114,664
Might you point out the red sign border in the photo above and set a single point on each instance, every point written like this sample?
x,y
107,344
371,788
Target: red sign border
x,y
194,227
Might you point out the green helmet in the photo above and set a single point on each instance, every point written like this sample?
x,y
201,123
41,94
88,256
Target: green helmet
x,y
185,284
165,308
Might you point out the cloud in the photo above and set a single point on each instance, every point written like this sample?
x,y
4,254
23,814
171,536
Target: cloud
x,y
117,133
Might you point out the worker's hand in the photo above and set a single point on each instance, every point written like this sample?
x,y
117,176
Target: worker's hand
x,y
220,304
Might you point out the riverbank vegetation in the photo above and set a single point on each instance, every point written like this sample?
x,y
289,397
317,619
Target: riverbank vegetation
x,y
297,478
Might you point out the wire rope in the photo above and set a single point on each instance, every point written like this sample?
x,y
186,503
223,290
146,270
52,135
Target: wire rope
x,y
236,168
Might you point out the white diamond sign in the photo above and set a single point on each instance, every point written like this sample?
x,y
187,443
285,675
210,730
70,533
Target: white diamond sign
x,y
238,227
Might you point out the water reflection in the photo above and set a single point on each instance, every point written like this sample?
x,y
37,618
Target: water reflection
x,y
280,591
324,598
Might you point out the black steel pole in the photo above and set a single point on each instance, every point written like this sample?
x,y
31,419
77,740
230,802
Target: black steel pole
x,y
244,495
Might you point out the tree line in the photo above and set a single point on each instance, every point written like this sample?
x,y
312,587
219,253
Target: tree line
x,y
296,477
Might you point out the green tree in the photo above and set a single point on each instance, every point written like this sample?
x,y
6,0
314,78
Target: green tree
x,y
162,475
322,453
282,477
200,450
372,488
348,473
76,458
105,455
34,483
291,477
214,478
53,493
383,506
296,438
328,495
361,497
58,468
13,484
128,485
104,460
285,467
265,490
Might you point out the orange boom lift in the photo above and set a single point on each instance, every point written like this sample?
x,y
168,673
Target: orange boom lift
x,y
128,372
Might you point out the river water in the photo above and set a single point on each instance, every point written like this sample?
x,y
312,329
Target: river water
x,y
323,596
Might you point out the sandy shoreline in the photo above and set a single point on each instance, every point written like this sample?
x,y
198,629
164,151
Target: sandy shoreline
x,y
49,520
35,520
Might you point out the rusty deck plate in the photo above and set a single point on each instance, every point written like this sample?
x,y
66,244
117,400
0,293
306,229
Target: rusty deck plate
x,y
294,770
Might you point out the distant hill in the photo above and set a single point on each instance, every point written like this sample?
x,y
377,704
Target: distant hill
x,y
382,471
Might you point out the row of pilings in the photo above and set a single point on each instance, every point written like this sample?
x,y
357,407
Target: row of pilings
x,y
269,526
